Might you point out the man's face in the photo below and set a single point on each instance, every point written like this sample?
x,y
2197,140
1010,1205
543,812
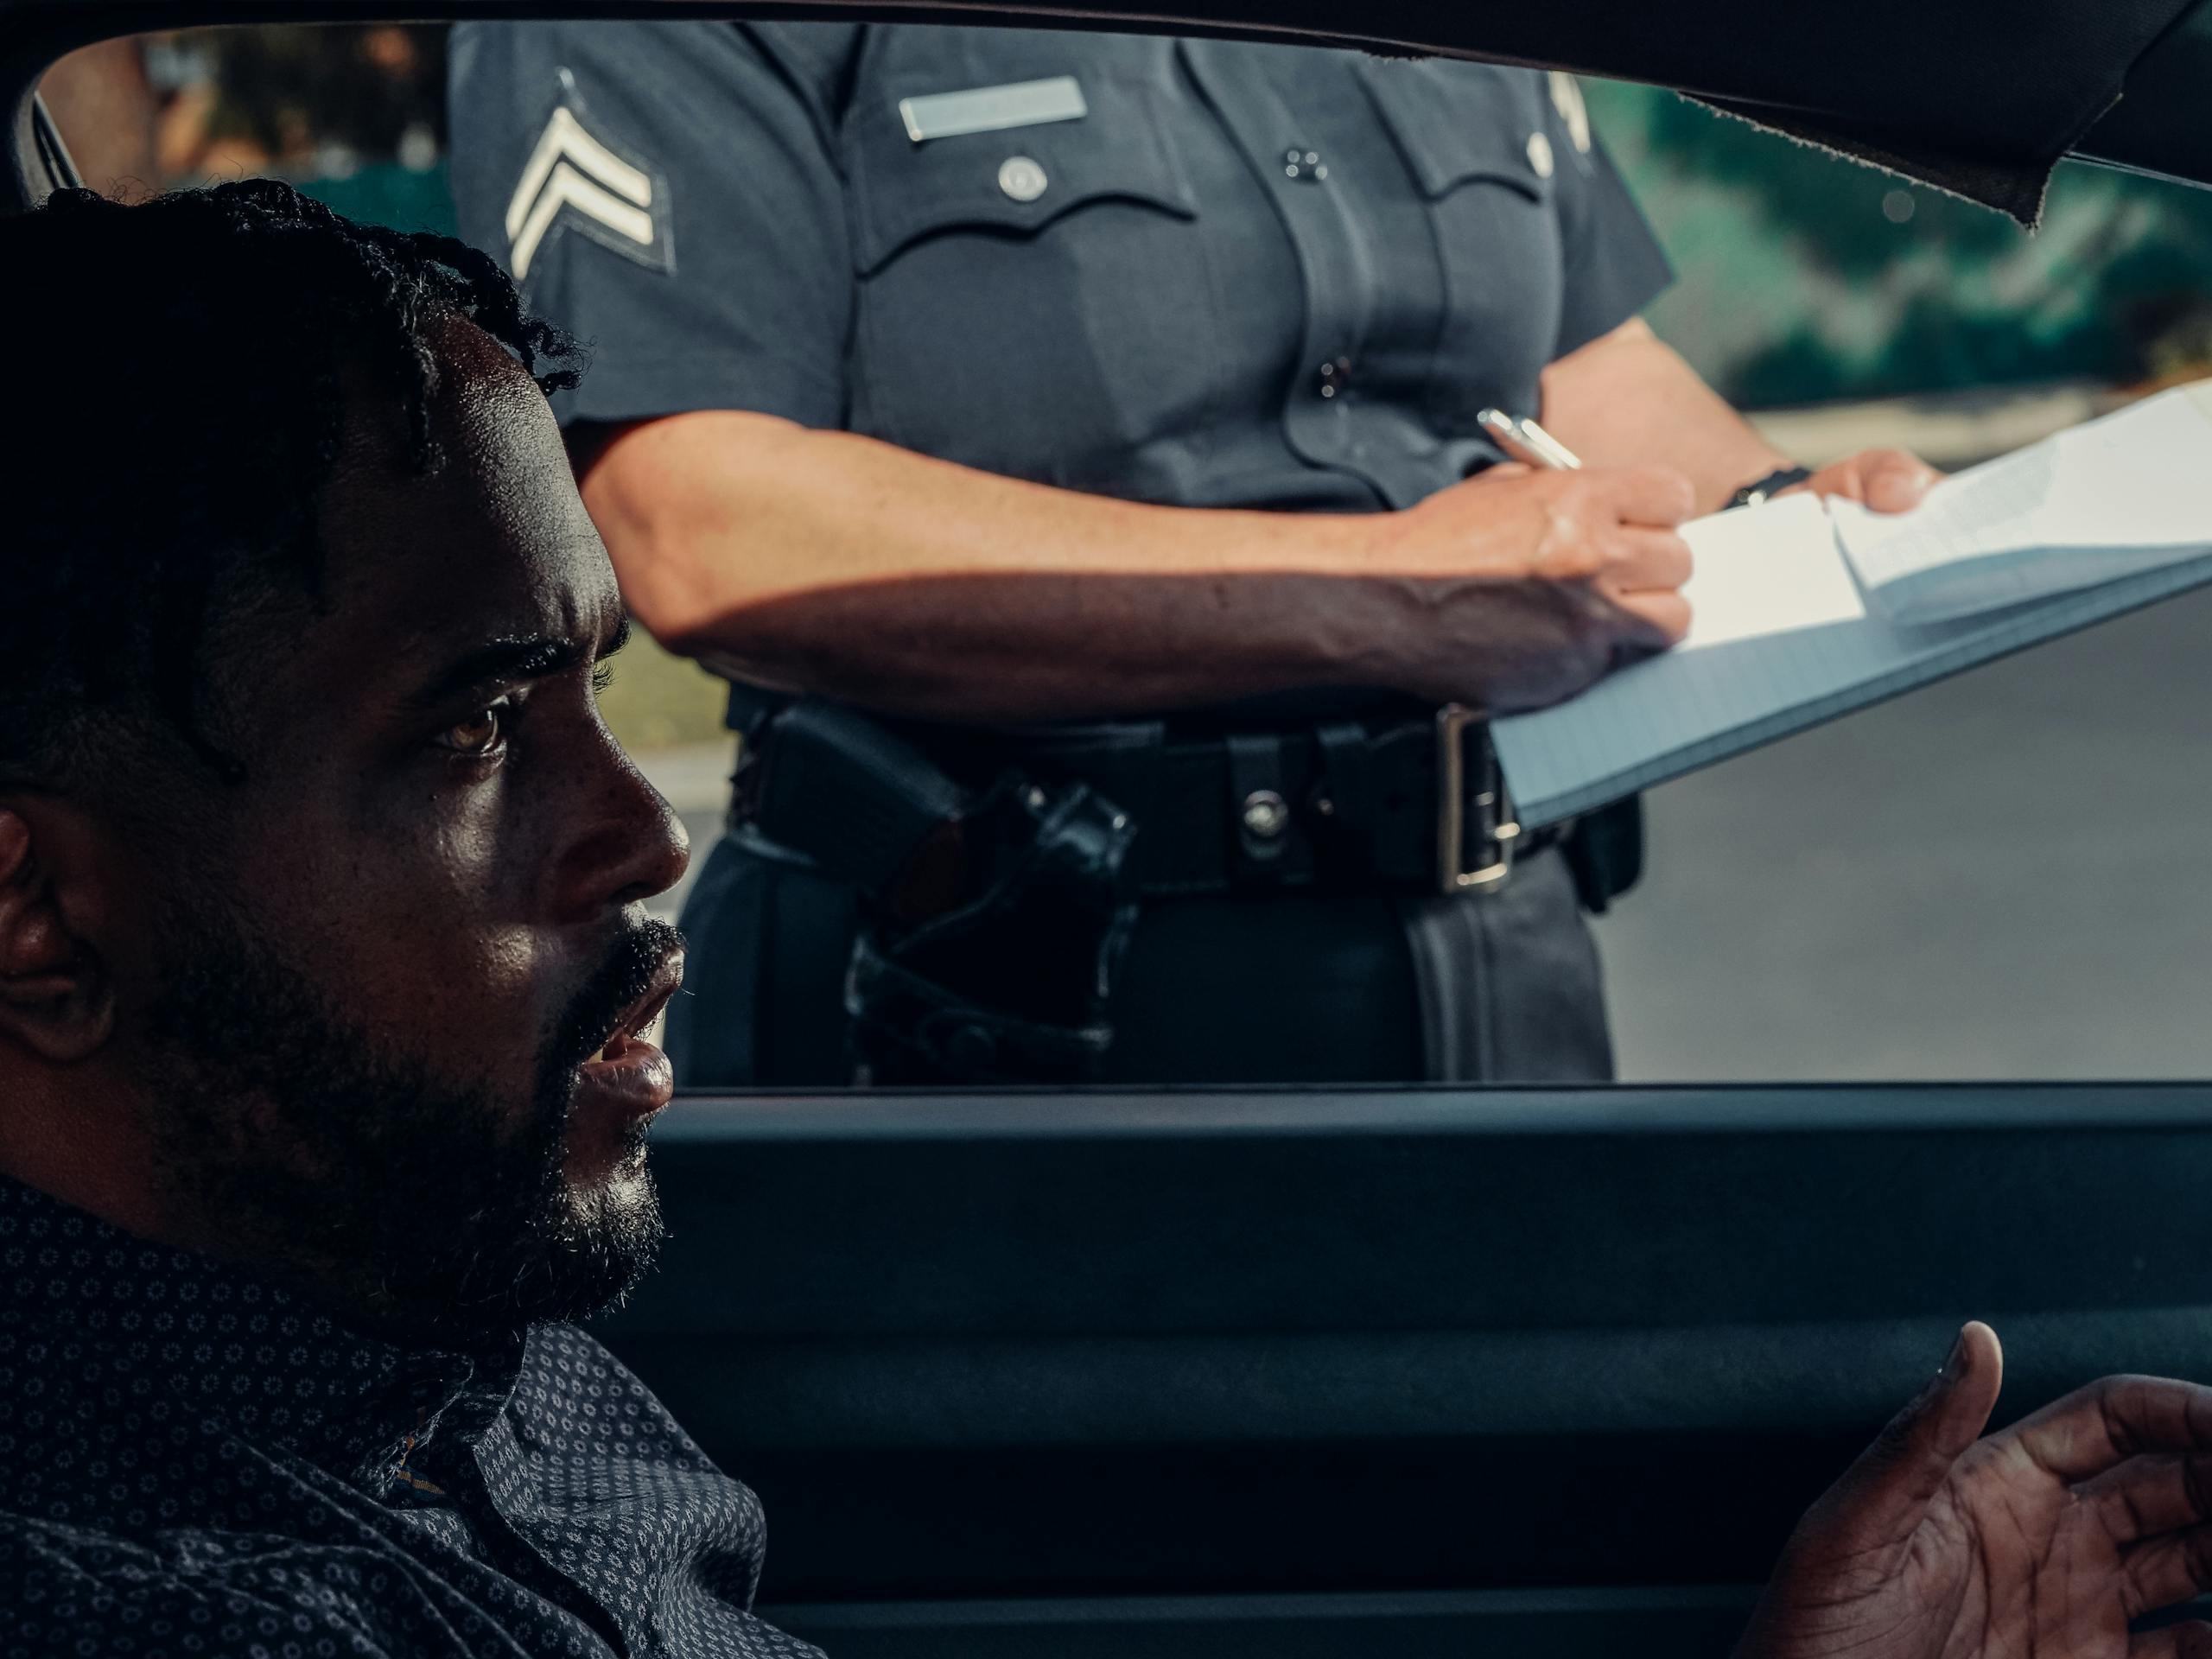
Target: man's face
x,y
376,971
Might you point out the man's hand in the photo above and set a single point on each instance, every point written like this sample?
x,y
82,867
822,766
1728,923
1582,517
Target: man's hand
x,y
1528,584
2045,1540
1888,480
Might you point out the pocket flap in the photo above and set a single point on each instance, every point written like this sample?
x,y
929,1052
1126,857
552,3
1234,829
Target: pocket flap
x,y
1455,122
1015,179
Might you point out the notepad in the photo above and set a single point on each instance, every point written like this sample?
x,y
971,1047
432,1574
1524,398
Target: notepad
x,y
1793,626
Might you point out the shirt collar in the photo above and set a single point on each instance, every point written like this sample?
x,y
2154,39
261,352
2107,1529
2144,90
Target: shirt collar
x,y
199,1327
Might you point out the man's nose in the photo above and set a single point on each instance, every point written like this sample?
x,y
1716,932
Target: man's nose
x,y
633,848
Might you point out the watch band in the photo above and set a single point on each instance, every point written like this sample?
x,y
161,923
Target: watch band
x,y
1760,489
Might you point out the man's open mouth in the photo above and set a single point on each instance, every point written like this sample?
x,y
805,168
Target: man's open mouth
x,y
635,1021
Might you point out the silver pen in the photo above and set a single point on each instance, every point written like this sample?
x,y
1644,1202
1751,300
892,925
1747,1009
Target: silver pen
x,y
1521,438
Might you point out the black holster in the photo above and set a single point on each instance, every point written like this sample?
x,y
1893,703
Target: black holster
x,y
992,921
1605,853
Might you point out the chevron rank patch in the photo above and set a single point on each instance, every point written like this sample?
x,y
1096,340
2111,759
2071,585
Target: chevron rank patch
x,y
576,179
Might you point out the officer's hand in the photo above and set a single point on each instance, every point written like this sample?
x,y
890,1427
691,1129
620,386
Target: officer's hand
x,y
2044,1539
1888,480
1533,583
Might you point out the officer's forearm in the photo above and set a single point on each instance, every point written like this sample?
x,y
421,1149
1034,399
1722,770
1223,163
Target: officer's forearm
x,y
826,562
1628,399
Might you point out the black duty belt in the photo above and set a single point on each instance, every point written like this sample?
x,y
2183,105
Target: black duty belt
x,y
1419,804
1001,876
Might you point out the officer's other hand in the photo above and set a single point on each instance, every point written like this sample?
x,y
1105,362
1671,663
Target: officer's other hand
x,y
2047,1539
1533,583
1888,480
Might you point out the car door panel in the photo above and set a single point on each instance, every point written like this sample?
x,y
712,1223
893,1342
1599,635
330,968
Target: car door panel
x,y
1097,1351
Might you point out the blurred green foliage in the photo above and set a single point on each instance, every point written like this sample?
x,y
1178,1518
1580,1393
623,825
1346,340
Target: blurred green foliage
x,y
1805,277
388,193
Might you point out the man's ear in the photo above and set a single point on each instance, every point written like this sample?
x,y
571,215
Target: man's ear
x,y
56,999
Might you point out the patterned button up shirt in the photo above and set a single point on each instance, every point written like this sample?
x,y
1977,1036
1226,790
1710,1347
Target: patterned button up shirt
x,y
201,1465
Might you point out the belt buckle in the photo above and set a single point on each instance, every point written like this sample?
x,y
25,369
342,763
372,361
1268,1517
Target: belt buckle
x,y
1494,831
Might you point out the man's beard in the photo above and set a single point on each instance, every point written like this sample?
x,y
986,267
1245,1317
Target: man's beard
x,y
302,1144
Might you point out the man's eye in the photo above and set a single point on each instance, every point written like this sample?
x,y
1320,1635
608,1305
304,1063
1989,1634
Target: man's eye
x,y
481,733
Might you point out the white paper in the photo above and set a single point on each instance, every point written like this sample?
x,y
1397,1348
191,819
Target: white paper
x,y
1765,570
2128,492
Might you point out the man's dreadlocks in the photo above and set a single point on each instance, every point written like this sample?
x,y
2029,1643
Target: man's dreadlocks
x,y
178,371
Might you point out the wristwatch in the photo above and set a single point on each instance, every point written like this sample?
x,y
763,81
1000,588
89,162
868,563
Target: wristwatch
x,y
1760,489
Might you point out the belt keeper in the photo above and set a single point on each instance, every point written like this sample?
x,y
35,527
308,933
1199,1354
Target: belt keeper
x,y
1259,806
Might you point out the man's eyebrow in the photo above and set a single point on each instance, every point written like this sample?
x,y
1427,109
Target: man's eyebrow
x,y
516,659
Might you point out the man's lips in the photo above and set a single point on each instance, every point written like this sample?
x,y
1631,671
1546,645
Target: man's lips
x,y
629,1073
632,1077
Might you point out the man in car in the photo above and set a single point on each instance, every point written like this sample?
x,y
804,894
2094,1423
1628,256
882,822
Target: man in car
x,y
323,959
1104,411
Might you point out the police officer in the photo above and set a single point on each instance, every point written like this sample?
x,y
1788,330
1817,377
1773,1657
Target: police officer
x,y
1102,411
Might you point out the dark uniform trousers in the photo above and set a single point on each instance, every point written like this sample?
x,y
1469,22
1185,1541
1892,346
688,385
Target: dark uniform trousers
x,y
1304,987
1197,273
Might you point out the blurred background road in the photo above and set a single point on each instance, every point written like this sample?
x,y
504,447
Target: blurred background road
x,y
2006,875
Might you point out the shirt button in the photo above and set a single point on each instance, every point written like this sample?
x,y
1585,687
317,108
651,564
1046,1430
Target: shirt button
x,y
1021,178
1304,165
1266,815
1539,155
1336,374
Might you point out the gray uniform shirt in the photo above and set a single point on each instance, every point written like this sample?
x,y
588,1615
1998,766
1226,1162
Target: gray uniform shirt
x,y
1244,277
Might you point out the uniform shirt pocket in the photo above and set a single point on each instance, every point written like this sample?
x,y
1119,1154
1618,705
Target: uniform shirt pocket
x,y
904,191
1034,301
1475,142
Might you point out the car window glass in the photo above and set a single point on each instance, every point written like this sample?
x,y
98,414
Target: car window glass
x,y
1995,877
